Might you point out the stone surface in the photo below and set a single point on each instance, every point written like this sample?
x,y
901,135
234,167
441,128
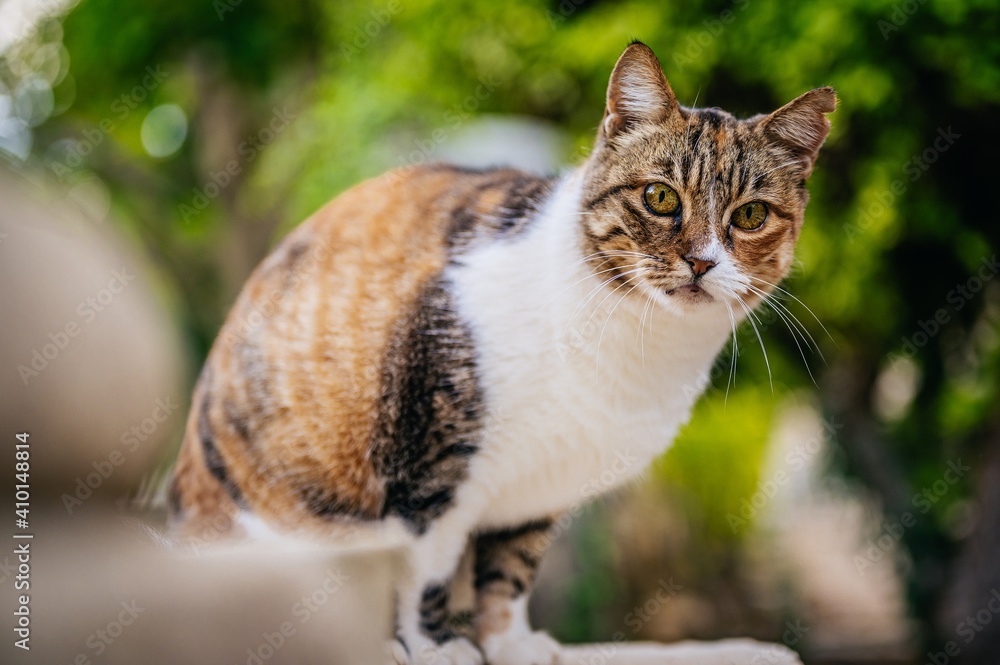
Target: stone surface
x,y
724,652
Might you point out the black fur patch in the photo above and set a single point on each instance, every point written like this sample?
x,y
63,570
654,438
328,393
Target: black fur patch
x,y
294,254
744,177
428,421
522,203
600,198
508,535
506,560
323,502
253,412
237,420
174,498
712,118
484,577
613,232
434,613
213,458
474,222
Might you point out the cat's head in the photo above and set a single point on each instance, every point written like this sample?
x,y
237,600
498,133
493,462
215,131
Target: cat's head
x,y
694,205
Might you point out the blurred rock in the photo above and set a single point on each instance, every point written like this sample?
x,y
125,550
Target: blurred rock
x,y
520,142
101,593
91,364
724,652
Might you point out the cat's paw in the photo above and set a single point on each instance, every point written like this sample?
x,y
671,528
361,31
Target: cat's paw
x,y
513,649
456,651
396,654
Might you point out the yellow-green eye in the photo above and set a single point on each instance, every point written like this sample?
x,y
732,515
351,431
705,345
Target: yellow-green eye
x,y
661,199
749,216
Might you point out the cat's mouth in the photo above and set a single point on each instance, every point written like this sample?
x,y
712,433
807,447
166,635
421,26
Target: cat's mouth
x,y
690,292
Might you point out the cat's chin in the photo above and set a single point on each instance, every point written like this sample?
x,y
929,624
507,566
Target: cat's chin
x,y
690,293
685,299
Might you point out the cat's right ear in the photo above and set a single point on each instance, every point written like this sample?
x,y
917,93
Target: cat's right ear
x,y
638,92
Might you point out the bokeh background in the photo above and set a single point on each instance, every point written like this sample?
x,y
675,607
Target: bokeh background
x,y
841,496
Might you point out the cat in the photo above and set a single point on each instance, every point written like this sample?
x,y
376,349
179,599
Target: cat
x,y
422,357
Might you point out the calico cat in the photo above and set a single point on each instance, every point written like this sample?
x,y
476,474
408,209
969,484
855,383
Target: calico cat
x,y
421,356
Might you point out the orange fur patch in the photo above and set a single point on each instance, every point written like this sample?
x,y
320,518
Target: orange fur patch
x,y
295,373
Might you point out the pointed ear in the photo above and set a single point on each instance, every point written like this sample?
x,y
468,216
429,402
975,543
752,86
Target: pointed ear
x,y
801,124
638,92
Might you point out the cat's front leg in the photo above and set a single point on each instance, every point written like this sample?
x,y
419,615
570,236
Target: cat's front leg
x,y
424,598
505,564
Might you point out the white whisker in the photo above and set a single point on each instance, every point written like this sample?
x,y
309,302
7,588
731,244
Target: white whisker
x,y
597,359
601,304
588,276
776,304
792,296
760,339
641,334
781,166
736,351
792,329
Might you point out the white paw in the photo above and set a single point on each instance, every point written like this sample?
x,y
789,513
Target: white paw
x,y
395,653
457,651
513,649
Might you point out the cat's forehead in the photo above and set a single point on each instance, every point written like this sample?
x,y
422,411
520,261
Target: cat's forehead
x,y
708,131
707,143
710,118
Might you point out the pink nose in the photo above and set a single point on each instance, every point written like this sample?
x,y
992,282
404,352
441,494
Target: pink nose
x,y
699,266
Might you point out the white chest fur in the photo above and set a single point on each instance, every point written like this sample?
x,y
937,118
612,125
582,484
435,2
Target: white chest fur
x,y
583,386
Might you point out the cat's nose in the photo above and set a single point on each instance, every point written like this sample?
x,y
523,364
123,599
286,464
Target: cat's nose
x,y
699,266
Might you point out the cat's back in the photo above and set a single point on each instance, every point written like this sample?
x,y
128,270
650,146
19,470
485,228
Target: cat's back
x,y
282,417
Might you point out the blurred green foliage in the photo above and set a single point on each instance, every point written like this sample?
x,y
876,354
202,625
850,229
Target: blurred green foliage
x,y
898,219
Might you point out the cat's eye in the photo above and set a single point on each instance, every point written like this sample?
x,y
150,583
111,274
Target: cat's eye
x,y
661,199
749,216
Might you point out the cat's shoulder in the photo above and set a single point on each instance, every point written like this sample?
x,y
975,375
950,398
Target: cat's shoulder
x,y
437,202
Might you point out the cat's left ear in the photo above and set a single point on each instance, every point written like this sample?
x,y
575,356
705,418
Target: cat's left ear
x,y
638,92
802,125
